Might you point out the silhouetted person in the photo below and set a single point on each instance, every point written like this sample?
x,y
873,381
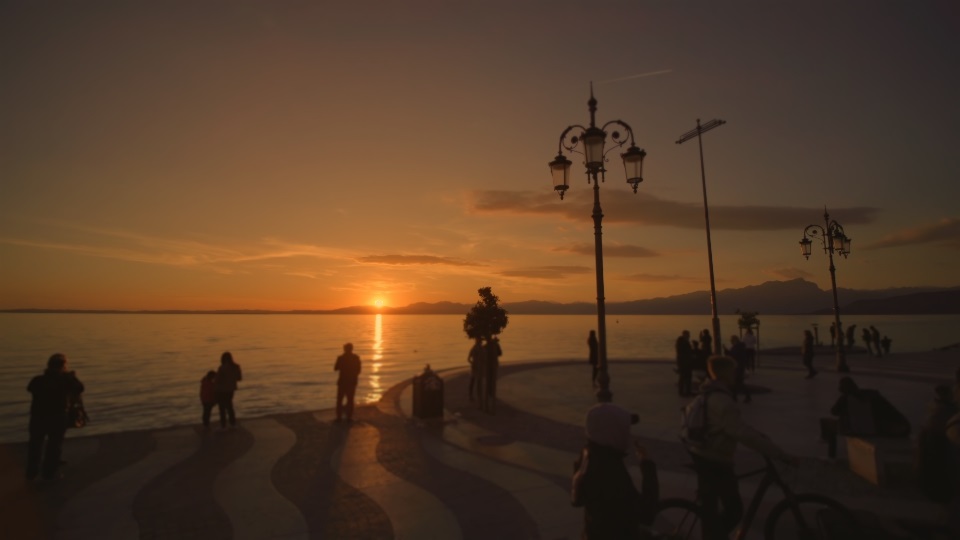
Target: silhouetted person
x,y
867,340
594,359
750,344
493,363
477,358
738,351
613,508
833,334
208,396
807,351
851,335
684,364
717,483
706,343
875,336
51,393
862,412
228,375
885,343
348,364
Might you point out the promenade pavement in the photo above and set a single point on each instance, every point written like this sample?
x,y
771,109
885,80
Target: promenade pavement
x,y
471,475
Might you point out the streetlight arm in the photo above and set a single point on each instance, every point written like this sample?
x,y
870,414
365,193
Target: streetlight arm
x,y
570,144
817,231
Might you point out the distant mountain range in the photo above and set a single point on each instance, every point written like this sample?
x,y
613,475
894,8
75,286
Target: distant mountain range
x,y
795,297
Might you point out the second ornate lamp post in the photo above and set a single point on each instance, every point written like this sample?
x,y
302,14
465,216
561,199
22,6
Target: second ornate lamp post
x,y
590,142
832,237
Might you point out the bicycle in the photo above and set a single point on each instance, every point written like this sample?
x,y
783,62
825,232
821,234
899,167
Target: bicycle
x,y
793,517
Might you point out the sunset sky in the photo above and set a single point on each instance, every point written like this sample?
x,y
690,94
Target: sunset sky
x,y
315,155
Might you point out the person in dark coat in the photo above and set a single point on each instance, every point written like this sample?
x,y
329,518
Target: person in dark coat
x,y
738,351
862,412
51,393
594,358
875,337
867,340
851,335
613,508
228,375
706,343
684,364
807,352
348,364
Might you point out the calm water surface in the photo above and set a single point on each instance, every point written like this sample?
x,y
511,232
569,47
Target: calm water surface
x,y
143,371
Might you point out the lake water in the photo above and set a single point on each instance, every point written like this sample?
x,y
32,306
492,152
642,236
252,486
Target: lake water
x,y
143,371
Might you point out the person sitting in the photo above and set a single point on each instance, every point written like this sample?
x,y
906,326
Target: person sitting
x,y
861,412
613,508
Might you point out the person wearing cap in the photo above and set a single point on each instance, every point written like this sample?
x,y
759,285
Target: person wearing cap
x,y
51,395
613,508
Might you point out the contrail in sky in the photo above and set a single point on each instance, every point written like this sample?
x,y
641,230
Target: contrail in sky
x,y
638,76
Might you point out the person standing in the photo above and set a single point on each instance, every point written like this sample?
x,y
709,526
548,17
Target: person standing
x,y
493,363
875,337
885,343
348,364
738,351
228,375
833,334
706,343
717,483
867,340
750,344
807,351
851,336
51,396
208,396
602,485
684,364
594,355
477,358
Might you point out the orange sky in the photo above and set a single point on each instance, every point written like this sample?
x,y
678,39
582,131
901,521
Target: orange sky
x,y
302,156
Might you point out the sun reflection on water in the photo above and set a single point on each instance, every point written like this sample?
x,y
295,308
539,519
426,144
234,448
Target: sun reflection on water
x,y
376,387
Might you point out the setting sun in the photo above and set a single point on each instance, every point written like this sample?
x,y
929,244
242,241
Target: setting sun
x,y
378,302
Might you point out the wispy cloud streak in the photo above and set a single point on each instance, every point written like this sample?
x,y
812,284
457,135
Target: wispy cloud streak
x,y
637,76
645,209
945,232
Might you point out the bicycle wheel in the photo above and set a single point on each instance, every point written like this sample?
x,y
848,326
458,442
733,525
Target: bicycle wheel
x,y
677,519
787,522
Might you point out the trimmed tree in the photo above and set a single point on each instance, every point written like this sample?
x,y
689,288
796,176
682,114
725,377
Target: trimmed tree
x,y
486,318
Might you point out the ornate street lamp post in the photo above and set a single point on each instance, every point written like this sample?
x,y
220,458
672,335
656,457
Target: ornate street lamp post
x,y
590,142
832,237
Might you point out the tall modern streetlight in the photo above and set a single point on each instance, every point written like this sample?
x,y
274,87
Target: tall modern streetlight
x,y
697,132
832,237
589,142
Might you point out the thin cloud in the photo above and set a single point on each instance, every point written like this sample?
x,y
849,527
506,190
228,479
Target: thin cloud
x,y
789,273
610,250
645,209
656,278
546,272
945,232
410,260
637,76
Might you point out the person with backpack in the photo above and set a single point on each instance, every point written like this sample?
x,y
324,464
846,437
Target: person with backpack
x,y
50,397
711,431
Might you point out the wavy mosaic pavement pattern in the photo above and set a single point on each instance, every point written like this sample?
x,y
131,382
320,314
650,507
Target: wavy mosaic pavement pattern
x,y
105,508
246,492
414,512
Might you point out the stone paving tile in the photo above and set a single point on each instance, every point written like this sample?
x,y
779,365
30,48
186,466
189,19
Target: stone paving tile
x,y
29,510
331,508
180,500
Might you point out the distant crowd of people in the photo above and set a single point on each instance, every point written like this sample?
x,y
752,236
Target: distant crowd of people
x,y
875,345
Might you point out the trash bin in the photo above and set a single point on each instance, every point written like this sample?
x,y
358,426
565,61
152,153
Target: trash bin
x,y
428,395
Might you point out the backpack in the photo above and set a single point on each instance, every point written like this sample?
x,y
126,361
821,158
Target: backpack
x,y
937,468
693,421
